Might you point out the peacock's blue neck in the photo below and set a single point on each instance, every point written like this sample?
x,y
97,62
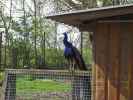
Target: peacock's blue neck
x,y
65,41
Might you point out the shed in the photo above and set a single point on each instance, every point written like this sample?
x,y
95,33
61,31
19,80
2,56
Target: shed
x,y
112,29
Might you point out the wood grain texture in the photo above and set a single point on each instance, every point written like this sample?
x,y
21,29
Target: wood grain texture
x,y
130,62
101,52
114,62
124,61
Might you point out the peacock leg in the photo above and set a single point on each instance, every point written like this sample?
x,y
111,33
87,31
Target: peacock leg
x,y
73,63
70,65
65,64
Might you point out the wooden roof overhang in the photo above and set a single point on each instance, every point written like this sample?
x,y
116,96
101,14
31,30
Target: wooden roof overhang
x,y
85,19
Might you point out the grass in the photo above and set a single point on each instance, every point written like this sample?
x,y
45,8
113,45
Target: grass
x,y
39,85
1,75
33,89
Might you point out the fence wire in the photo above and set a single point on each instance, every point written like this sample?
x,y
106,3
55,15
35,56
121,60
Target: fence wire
x,y
47,85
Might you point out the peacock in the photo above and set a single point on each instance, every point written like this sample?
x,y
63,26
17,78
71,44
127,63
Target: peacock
x,y
72,55
80,83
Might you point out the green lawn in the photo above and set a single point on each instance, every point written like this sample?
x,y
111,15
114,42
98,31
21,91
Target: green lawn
x,y
39,85
29,89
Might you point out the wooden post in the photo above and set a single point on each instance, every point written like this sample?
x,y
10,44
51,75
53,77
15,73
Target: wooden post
x,y
76,88
86,87
81,88
10,93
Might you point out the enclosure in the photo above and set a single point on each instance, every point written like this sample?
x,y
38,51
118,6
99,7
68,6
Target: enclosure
x,y
30,43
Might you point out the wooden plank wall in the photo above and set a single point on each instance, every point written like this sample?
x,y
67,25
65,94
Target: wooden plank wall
x,y
113,43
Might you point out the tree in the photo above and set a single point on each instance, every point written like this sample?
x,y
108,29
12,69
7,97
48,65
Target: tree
x,y
0,49
69,5
114,2
7,20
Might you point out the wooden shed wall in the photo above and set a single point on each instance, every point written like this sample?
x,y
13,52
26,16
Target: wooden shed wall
x,y
113,49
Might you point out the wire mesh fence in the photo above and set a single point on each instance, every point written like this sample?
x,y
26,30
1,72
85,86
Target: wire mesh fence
x,y
47,85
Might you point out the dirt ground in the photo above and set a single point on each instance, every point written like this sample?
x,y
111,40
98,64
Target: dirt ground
x,y
46,96
0,92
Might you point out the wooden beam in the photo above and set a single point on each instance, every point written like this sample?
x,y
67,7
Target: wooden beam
x,y
48,72
115,21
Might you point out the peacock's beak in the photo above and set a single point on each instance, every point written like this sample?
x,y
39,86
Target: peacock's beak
x,y
64,33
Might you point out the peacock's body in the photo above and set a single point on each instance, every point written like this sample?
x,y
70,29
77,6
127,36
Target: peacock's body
x,y
72,54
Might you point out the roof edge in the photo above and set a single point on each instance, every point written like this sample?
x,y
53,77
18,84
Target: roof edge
x,y
91,10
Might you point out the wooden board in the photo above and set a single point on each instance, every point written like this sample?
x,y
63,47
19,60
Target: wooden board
x,y
124,61
101,52
130,63
114,62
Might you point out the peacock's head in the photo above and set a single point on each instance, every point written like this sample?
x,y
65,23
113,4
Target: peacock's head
x,y
65,35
